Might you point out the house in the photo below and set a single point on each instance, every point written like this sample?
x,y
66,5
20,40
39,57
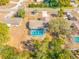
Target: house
x,y
36,28
35,24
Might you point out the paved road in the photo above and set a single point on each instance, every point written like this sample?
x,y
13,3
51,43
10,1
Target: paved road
x,y
13,2
18,4
13,10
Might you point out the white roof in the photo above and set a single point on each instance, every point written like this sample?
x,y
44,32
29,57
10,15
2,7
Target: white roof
x,y
39,0
68,13
44,14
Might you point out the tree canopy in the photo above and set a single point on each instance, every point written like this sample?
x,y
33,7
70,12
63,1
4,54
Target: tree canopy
x,y
21,12
24,55
64,3
8,52
53,3
60,12
58,3
59,25
4,33
46,49
53,50
4,2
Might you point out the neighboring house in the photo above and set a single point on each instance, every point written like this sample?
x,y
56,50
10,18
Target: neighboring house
x,y
36,27
12,21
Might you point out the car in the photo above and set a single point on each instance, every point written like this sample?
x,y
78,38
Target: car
x,y
72,18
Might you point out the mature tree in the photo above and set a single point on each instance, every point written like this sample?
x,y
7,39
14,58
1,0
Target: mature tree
x,y
7,52
42,51
21,12
60,12
4,2
4,32
24,55
59,51
56,3
31,5
64,3
52,3
59,25
54,49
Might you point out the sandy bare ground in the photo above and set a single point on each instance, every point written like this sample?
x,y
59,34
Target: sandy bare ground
x,y
10,5
14,0
18,34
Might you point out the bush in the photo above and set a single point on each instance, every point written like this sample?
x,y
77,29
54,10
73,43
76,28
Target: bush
x,y
21,12
60,12
4,2
41,5
4,33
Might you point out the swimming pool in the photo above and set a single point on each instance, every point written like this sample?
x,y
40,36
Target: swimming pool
x,y
76,39
36,32
45,0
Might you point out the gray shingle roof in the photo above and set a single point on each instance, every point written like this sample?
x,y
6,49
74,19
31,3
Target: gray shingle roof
x,y
34,24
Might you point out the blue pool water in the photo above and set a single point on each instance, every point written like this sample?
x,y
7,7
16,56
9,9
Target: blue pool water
x,y
36,32
45,0
76,39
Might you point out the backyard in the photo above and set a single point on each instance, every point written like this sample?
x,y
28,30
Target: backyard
x,y
39,29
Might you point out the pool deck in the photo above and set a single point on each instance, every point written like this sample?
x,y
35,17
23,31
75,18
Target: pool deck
x,y
74,46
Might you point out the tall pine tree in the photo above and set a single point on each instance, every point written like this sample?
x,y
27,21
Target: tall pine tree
x,y
52,3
